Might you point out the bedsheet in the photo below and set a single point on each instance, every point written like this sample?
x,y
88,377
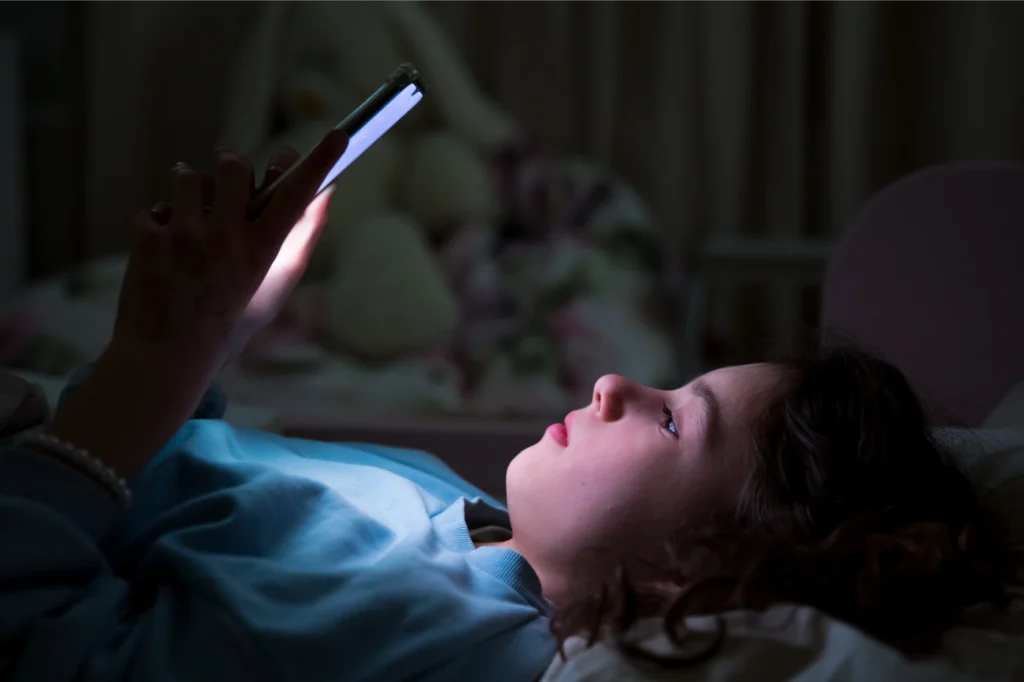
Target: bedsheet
x,y
800,644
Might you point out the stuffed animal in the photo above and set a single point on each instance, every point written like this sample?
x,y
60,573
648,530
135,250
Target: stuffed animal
x,y
304,67
462,270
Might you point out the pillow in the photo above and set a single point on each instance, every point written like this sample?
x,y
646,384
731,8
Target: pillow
x,y
790,644
1010,412
993,458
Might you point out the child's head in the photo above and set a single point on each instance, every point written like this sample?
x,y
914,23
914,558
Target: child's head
x,y
638,462
796,453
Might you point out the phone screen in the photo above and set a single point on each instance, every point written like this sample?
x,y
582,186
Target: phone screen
x,y
364,126
400,105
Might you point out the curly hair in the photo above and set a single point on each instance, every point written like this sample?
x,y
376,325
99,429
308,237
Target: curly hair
x,y
852,507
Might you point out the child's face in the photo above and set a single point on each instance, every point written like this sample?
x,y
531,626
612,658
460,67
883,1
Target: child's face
x,y
629,468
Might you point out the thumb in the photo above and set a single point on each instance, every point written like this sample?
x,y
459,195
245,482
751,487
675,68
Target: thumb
x,y
296,191
299,244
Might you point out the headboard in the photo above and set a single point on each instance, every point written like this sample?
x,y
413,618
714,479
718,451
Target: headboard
x,y
930,275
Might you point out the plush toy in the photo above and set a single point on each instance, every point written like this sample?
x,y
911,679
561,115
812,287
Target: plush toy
x,y
570,290
462,270
305,67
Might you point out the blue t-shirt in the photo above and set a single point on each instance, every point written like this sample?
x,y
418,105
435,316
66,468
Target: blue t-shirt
x,y
248,556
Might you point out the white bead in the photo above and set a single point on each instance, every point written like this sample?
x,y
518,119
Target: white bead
x,y
85,462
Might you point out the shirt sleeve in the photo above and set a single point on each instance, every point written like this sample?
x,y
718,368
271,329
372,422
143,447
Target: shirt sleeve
x,y
67,614
59,591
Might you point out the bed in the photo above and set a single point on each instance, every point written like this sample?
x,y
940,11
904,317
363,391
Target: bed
x,y
929,276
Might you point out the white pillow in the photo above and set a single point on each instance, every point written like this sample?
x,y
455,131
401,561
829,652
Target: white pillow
x,y
1010,412
792,644
993,458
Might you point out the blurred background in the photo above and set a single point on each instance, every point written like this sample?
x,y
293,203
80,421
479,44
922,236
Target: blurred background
x,y
649,189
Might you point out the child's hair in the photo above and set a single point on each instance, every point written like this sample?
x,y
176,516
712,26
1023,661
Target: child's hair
x,y
852,507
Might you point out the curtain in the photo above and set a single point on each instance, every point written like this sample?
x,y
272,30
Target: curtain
x,y
156,77
753,119
757,119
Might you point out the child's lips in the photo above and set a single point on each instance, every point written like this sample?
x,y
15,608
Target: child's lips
x,y
559,434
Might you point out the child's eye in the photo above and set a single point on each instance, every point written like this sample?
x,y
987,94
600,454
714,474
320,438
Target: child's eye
x,y
668,422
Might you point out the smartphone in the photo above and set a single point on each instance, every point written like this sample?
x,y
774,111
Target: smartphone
x,y
402,91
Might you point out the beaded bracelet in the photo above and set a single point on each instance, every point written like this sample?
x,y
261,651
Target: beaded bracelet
x,y
80,459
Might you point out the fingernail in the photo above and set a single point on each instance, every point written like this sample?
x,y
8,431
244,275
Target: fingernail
x,y
161,211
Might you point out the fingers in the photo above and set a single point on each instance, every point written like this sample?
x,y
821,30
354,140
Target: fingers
x,y
161,213
209,191
296,191
185,232
299,244
226,196
281,161
148,235
292,258
233,180
317,209
314,219
187,195
144,225
279,164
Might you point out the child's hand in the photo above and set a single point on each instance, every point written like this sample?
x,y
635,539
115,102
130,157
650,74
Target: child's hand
x,y
199,283
279,282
